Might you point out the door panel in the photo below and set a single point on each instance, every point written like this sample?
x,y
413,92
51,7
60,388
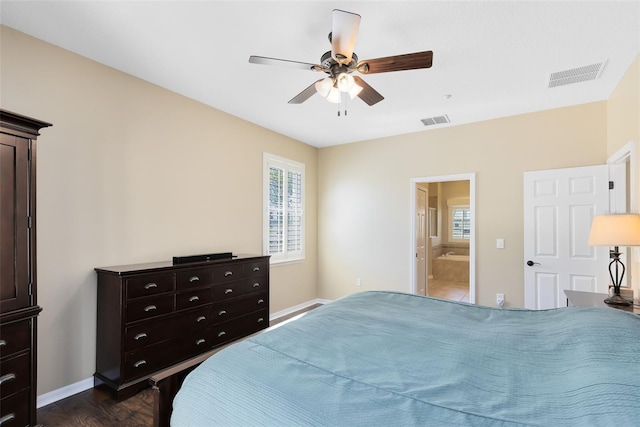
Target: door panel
x,y
559,206
14,259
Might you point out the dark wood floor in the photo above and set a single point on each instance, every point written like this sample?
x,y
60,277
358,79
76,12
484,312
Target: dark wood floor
x,y
96,408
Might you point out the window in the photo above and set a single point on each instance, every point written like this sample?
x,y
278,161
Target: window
x,y
283,217
460,217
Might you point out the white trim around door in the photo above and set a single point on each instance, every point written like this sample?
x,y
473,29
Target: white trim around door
x,y
471,177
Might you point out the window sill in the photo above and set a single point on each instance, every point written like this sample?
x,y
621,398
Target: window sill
x,y
276,263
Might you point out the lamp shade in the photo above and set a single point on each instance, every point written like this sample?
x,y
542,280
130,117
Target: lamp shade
x,y
615,230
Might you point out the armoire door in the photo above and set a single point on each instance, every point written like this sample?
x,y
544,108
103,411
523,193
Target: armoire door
x,y
15,270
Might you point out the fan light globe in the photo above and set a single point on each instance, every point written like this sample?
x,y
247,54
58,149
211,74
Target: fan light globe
x,y
345,82
324,86
355,90
335,96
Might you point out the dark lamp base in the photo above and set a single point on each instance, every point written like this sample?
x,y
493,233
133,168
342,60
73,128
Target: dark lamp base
x,y
617,300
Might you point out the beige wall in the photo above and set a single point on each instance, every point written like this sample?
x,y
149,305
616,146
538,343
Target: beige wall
x,y
130,173
364,192
623,126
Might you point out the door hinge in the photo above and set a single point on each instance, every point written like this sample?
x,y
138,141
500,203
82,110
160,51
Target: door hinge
x,y
30,288
29,222
610,185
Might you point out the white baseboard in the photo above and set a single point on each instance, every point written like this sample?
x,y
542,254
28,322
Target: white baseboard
x,y
298,307
75,388
66,391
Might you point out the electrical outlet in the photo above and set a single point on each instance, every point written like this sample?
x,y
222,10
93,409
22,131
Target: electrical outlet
x,y
500,300
358,282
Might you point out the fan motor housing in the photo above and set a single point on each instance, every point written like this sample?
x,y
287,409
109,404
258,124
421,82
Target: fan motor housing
x,y
332,66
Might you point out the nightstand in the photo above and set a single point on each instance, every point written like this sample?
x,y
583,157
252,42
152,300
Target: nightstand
x,y
593,299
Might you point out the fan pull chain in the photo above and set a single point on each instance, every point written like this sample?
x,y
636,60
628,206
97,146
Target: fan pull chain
x,y
343,99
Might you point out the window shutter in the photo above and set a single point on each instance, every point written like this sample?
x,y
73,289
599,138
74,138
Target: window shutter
x,y
283,209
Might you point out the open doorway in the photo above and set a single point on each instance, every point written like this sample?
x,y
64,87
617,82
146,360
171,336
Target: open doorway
x,y
443,237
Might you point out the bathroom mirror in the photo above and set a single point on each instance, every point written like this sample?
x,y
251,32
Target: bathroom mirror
x,y
433,222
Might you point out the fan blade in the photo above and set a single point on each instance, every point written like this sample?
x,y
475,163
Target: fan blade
x,y
344,31
409,61
284,62
305,94
367,94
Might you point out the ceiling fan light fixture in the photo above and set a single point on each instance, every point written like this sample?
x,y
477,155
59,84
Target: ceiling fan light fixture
x,y
335,96
344,82
355,90
324,86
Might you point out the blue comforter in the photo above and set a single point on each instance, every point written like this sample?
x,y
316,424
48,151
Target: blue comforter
x,y
393,359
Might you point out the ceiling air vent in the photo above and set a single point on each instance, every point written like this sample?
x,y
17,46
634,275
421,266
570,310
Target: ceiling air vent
x,y
576,75
438,120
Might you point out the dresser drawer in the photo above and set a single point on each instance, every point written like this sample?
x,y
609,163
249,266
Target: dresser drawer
x,y
14,410
14,374
15,337
198,343
149,284
196,320
194,278
152,358
227,273
240,327
149,307
152,331
230,309
238,288
193,298
256,268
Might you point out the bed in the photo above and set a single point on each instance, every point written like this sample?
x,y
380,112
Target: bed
x,y
388,358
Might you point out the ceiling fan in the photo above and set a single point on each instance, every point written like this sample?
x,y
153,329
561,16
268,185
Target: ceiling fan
x,y
340,62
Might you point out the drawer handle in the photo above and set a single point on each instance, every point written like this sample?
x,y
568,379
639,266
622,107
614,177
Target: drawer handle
x,y
200,319
228,291
139,363
140,336
150,308
3,343
221,334
194,298
7,418
260,301
256,285
194,279
150,286
261,320
200,341
6,378
256,269
228,273
222,312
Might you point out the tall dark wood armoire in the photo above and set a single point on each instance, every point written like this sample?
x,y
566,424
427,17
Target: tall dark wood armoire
x,y
18,306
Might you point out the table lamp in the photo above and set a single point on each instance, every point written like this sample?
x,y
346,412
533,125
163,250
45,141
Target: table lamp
x,y
615,230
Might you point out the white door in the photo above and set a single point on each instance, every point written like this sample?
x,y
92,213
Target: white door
x,y
421,239
559,206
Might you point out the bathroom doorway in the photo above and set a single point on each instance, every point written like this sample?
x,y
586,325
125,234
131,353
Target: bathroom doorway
x,y
449,221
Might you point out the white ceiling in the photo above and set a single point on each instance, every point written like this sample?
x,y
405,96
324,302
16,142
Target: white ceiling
x,y
493,58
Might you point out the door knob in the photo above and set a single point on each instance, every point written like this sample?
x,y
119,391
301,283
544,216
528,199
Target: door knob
x,y
531,263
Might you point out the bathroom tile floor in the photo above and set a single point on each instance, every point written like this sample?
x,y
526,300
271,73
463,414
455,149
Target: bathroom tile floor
x,y
455,291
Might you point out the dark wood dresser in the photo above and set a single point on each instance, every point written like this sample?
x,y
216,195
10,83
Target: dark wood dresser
x,y
18,305
152,316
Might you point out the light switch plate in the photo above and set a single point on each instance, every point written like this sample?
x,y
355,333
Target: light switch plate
x,y
500,243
